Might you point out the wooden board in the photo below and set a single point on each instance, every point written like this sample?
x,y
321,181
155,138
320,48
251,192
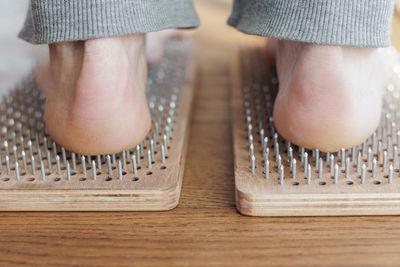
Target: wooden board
x,y
156,188
258,196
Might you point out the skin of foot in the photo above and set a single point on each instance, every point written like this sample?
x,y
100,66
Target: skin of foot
x,y
95,94
155,41
329,97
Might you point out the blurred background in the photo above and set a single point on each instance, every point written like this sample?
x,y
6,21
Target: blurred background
x,y
17,58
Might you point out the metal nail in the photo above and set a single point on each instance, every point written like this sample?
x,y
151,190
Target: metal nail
x,y
109,167
149,163
251,150
24,165
68,171
162,154
343,156
332,164
119,170
42,171
294,168
385,161
17,171
124,160
266,164
94,174
320,168
152,149
134,166
364,148
113,159
58,165
336,174
138,154
369,157
83,162
276,151
279,161
305,162
33,166
30,148
15,153
308,174
165,143
363,171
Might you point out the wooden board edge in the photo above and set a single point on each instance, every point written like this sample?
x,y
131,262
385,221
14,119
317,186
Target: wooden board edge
x,y
351,206
235,84
188,88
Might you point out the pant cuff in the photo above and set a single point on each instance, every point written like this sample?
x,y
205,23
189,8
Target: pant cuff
x,y
362,23
52,21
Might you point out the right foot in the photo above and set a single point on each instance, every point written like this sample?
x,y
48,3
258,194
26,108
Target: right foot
x,y
329,96
95,94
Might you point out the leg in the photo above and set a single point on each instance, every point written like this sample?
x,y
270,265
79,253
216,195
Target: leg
x,y
95,77
330,73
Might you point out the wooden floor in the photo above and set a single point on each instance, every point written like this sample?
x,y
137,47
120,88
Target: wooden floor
x,y
205,228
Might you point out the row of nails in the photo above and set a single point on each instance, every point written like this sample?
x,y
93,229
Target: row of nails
x,y
319,162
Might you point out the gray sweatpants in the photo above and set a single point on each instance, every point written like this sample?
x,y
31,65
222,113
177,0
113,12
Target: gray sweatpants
x,y
363,23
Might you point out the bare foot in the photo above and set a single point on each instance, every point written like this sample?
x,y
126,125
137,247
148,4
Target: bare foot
x,y
330,97
95,94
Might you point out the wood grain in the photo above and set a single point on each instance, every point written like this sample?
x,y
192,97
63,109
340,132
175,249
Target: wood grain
x,y
205,229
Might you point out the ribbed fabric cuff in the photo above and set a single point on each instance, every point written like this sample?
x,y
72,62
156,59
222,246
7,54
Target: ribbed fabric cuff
x,y
362,23
52,21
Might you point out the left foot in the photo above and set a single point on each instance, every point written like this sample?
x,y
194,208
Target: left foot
x,y
95,91
155,42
